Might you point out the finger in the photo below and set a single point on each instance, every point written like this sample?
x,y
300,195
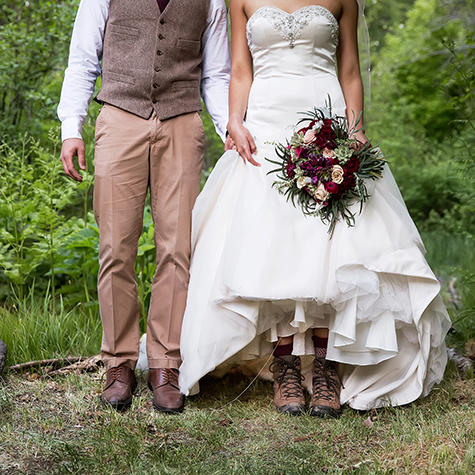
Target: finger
x,y
253,162
82,158
65,168
244,153
247,156
241,154
68,165
252,145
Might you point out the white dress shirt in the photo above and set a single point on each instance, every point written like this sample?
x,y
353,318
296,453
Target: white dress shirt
x,y
86,52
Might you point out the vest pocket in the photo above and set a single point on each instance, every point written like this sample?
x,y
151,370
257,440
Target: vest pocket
x,y
120,78
190,45
123,30
185,84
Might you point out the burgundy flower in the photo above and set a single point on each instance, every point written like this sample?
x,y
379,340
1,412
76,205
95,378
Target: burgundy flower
x,y
326,137
348,182
331,187
290,168
352,165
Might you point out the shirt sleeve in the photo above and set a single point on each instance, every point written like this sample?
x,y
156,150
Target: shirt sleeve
x,y
83,66
216,66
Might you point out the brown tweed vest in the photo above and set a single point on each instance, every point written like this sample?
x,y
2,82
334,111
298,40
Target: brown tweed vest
x,y
151,60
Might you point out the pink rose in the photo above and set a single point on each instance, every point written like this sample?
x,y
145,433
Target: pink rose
x,y
309,137
328,153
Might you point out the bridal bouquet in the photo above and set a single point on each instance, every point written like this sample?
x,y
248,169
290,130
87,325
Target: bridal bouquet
x,y
323,169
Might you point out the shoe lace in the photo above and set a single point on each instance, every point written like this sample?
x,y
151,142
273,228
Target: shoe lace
x,y
170,376
113,375
290,379
327,381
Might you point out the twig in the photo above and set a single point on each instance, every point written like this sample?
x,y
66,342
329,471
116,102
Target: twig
x,y
50,362
454,296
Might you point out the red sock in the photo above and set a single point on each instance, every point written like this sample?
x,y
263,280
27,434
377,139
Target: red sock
x,y
320,345
283,350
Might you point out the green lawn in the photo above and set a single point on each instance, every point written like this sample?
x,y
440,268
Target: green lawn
x,y
57,426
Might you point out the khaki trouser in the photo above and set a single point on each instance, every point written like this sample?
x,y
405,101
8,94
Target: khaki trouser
x,y
131,155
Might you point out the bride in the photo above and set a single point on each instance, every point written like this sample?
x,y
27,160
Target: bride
x,y
354,319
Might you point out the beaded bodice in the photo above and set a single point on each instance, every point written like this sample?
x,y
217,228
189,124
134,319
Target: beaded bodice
x,y
302,43
290,25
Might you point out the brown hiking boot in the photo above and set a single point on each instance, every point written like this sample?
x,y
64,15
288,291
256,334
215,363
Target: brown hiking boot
x,y
326,389
120,385
288,392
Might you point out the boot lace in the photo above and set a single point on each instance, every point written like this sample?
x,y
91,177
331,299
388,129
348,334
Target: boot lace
x,y
327,381
289,377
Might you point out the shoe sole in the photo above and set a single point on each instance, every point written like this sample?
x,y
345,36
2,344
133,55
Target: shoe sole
x,y
118,406
168,410
291,410
323,412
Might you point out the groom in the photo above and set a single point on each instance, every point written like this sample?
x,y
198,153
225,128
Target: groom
x,y
157,56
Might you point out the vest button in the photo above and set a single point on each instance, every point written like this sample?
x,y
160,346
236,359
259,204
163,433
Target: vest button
x,y
155,85
159,53
157,70
154,101
162,21
161,37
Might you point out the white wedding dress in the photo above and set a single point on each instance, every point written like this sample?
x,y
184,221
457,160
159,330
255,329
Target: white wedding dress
x,y
261,269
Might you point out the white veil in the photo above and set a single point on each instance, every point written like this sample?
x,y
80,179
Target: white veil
x,y
364,52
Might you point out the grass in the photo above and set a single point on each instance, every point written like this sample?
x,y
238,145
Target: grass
x,y
449,255
33,331
57,426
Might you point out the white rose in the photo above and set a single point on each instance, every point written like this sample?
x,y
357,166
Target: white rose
x,y
317,126
321,194
337,174
303,181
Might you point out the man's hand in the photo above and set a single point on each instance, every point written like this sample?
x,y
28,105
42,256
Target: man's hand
x,y
73,148
229,144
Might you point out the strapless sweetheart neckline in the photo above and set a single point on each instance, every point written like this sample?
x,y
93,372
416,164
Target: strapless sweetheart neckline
x,y
299,10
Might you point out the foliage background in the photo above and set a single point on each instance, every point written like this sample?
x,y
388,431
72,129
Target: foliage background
x,y
422,109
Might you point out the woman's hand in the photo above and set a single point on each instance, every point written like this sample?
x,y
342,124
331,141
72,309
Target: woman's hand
x,y
361,139
243,142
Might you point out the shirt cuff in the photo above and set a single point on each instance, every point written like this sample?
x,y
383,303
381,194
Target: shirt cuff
x,y
71,128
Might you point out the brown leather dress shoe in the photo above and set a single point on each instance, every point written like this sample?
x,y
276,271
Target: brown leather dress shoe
x,y
166,393
120,385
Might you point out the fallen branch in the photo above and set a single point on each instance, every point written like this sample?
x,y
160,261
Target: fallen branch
x,y
87,365
41,363
463,364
